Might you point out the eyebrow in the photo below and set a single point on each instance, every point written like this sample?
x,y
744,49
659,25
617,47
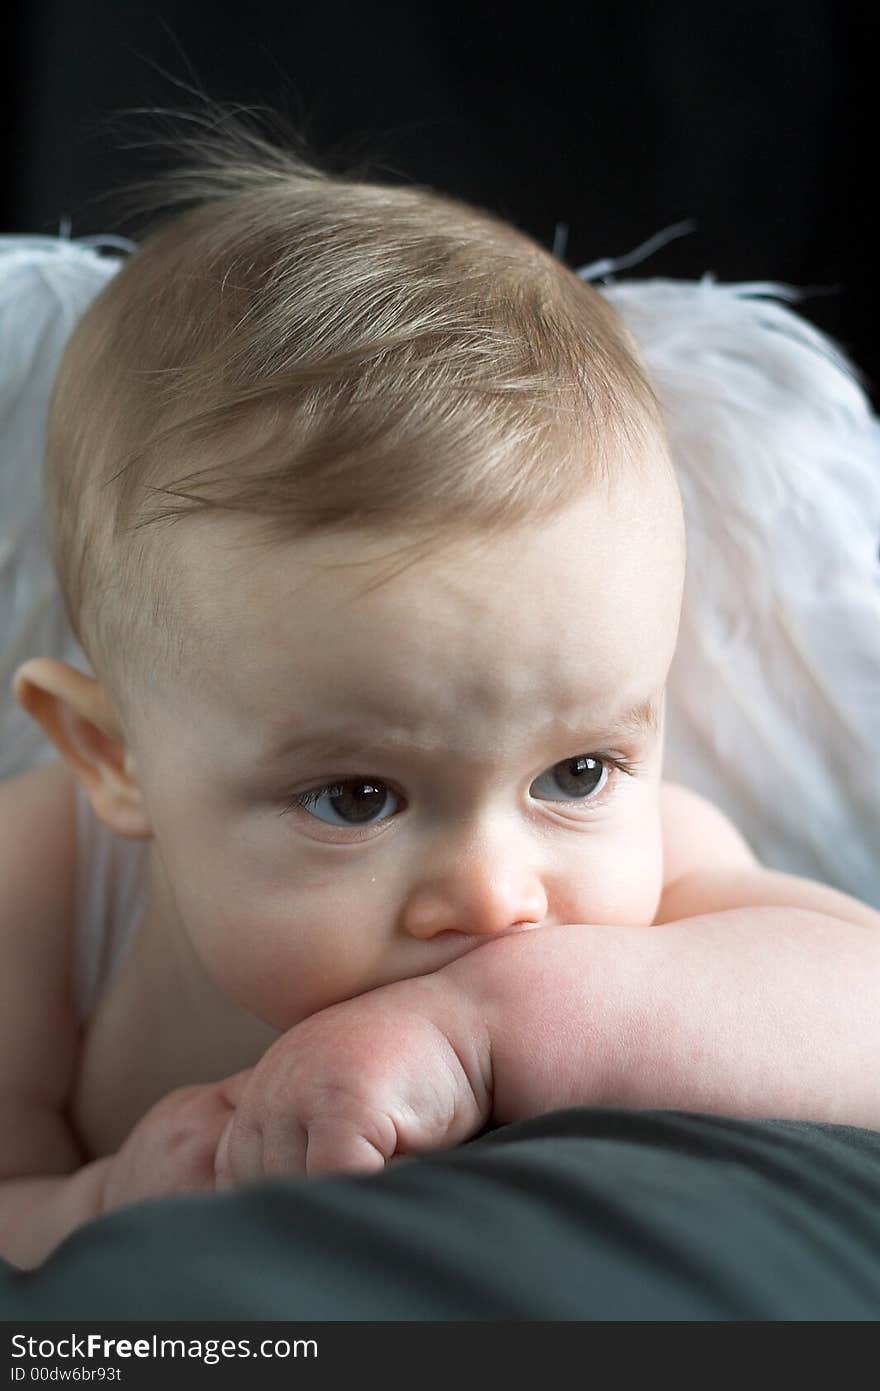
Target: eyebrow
x,y
641,721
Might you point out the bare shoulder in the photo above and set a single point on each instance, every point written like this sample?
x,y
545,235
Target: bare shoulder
x,y
697,834
38,835
53,780
38,1030
710,868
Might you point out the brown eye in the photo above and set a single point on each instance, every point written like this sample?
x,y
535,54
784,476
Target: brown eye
x,y
356,802
574,779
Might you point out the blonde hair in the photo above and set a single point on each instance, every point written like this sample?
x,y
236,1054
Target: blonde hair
x,y
317,351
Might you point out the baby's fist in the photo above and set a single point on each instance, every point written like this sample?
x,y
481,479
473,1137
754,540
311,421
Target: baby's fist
x,y
400,1070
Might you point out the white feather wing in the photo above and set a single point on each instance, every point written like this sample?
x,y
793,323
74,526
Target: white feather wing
x,y
46,283
773,701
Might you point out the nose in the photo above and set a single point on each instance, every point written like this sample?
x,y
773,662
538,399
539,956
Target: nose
x,y
477,892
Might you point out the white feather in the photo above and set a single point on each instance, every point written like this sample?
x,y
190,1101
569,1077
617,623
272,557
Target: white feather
x,y
46,283
773,700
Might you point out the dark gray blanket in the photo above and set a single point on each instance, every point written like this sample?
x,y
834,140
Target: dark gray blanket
x,y
580,1214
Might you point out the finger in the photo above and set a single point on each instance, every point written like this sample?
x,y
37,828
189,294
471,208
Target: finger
x,y
284,1146
239,1155
334,1148
222,1173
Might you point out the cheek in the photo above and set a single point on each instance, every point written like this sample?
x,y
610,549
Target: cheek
x,y
283,957
279,940
620,884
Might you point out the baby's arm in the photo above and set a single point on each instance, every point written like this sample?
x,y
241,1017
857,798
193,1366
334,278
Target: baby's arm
x,y
755,1012
710,868
756,997
38,1036
47,1185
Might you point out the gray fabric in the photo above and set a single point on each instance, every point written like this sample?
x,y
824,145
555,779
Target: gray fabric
x,y
580,1214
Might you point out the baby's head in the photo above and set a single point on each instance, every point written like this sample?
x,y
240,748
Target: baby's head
x,y
361,506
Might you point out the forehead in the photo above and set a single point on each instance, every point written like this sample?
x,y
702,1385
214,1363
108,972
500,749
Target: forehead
x,y
579,609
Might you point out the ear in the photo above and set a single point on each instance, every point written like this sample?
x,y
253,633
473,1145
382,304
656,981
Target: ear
x,y
78,716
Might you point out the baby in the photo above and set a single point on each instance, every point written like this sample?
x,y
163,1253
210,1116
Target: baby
x,y
364,514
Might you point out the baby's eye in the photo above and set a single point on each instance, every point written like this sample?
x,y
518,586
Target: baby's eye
x,y
572,779
357,802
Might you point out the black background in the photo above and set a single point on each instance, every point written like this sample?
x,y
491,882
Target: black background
x,y
756,121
